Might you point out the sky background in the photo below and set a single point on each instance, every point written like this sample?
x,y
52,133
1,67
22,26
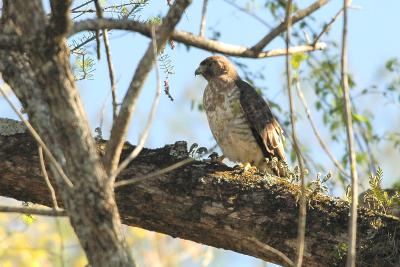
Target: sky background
x,y
373,39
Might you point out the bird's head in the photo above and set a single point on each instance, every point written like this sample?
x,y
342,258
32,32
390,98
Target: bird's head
x,y
215,67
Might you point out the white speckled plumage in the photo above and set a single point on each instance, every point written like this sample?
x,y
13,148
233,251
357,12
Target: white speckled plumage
x,y
229,125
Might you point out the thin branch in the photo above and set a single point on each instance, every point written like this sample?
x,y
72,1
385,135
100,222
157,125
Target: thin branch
x,y
80,6
203,19
301,226
191,39
111,71
314,127
152,115
273,250
251,14
154,174
328,26
120,126
33,211
37,138
301,14
46,178
351,252
54,200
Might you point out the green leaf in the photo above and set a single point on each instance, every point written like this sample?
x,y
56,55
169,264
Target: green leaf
x,y
297,59
28,219
360,118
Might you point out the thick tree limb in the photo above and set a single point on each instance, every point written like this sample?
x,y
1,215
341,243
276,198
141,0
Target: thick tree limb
x,y
215,205
190,39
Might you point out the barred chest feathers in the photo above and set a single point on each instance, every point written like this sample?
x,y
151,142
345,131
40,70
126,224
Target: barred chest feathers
x,y
229,125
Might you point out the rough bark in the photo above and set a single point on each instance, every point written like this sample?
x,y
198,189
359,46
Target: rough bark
x,y
218,206
42,80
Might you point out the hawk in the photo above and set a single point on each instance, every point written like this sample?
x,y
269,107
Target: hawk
x,y
240,120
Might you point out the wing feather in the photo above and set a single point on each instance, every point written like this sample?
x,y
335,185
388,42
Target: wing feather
x,y
264,126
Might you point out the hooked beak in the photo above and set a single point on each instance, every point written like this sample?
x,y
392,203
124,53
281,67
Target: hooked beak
x,y
199,71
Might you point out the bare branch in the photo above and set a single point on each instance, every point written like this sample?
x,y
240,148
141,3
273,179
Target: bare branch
x,y
351,252
154,174
273,250
328,26
46,178
33,211
128,106
301,14
80,6
153,111
54,200
203,19
301,226
37,138
191,39
316,132
251,14
109,61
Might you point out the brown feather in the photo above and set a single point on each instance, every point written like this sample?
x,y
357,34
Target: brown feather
x,y
265,128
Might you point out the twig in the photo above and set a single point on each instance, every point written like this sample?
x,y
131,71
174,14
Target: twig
x,y
153,111
328,26
54,200
111,71
273,250
38,139
154,174
251,14
203,19
302,212
46,178
351,252
191,39
120,126
310,118
82,5
301,14
34,211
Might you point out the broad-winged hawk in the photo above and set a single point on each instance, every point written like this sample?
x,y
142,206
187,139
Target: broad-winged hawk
x,y
240,120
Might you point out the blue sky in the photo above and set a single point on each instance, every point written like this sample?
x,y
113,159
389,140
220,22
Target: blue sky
x,y
373,39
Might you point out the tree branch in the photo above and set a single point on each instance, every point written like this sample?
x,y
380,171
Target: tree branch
x,y
190,39
352,246
33,211
218,206
301,14
59,21
128,106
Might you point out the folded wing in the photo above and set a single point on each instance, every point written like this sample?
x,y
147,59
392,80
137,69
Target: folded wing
x,y
265,128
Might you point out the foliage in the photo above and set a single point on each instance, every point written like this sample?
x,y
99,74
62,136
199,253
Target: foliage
x,y
377,198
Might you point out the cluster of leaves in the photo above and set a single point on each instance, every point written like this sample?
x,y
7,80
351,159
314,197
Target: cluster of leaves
x,y
377,198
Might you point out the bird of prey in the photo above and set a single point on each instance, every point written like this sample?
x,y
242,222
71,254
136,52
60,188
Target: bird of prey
x,y
240,120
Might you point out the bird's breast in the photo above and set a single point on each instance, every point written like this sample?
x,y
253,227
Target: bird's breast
x,y
229,125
